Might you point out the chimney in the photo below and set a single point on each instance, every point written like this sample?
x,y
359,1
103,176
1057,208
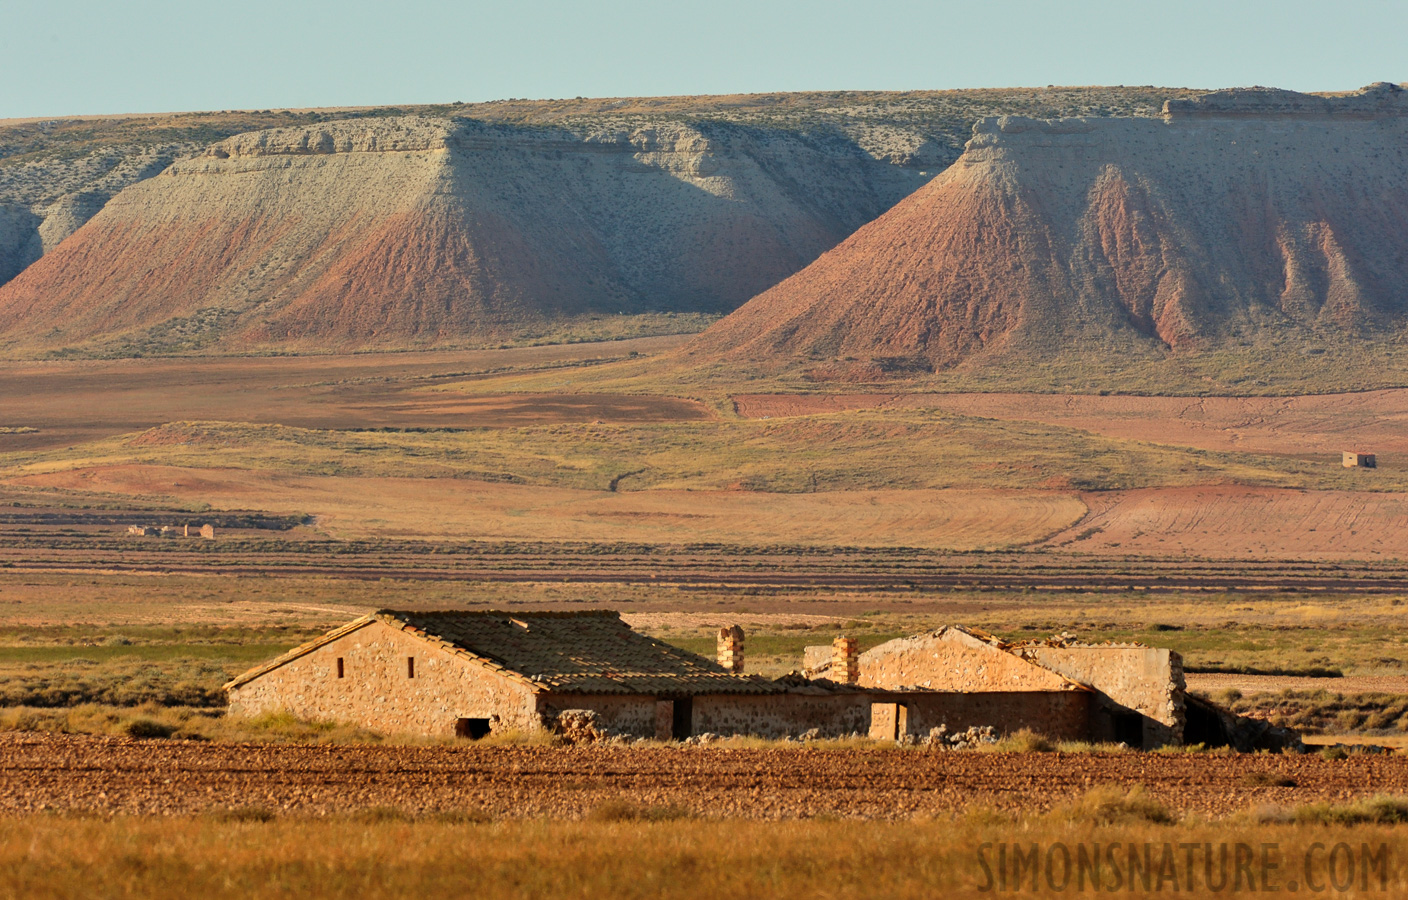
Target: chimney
x,y
845,661
731,649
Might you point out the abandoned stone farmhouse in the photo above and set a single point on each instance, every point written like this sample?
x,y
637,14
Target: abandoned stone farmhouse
x,y
472,674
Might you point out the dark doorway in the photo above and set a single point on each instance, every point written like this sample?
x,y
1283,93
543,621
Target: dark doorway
x,y
683,725
1204,725
1129,729
474,729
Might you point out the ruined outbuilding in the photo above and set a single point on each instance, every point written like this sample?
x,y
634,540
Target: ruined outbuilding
x,y
1137,692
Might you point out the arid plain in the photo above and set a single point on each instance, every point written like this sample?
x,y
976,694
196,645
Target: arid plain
x,y
868,461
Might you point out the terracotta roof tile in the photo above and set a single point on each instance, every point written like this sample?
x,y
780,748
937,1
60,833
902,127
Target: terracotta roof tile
x,y
590,652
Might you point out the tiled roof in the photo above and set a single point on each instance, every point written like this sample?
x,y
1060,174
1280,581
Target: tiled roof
x,y
589,652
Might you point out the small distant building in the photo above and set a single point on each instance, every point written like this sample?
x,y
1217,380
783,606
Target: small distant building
x,y
141,530
1359,460
207,532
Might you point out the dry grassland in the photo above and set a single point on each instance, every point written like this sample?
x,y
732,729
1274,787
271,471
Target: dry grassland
x,y
68,402
391,856
515,444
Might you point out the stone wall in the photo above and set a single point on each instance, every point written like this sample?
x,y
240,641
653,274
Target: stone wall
x,y
1146,681
780,715
376,692
628,714
1060,715
952,659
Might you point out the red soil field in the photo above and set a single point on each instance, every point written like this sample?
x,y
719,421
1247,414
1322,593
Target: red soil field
x,y
1228,521
73,402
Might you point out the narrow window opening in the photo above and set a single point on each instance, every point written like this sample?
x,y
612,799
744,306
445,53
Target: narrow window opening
x,y
410,667
474,729
682,725
340,670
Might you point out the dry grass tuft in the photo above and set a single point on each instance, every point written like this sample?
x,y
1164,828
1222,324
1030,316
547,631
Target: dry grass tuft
x,y
1381,810
1114,805
183,723
625,811
1023,741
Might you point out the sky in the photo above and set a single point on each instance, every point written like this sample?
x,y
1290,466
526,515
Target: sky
x,y
70,57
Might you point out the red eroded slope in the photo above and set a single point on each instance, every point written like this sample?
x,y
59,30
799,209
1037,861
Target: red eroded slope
x,y
173,266
914,282
429,275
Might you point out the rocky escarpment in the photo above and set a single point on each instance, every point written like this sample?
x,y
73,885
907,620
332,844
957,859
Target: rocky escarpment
x,y
57,174
1238,215
44,201
415,231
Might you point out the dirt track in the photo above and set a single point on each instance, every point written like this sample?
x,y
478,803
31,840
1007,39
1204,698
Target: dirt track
x,y
159,777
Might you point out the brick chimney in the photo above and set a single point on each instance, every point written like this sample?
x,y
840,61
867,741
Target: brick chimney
x,y
845,661
731,649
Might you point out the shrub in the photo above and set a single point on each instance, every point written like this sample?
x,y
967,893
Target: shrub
x,y
147,728
244,814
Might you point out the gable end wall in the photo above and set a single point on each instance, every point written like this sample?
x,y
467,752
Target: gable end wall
x,y
376,693
1145,680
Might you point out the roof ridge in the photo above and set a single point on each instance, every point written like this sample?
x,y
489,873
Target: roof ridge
x,y
587,651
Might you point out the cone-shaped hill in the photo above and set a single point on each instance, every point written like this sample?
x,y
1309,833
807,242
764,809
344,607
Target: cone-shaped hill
x,y
415,232
1241,214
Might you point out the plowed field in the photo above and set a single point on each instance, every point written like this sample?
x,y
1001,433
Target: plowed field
x,y
1230,521
122,775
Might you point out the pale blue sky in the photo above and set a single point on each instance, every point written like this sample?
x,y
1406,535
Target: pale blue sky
x,y
60,57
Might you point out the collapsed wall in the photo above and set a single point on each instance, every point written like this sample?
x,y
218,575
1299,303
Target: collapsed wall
x,y
1140,690
1137,692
